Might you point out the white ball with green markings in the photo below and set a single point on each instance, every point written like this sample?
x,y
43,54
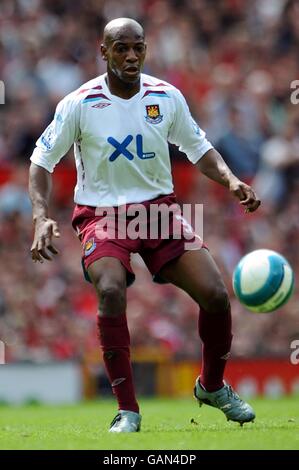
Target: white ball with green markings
x,y
263,281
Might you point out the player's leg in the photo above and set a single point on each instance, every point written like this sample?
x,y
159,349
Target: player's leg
x,y
197,274
108,276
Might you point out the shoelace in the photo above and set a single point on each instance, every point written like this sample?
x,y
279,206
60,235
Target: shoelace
x,y
231,393
221,401
115,419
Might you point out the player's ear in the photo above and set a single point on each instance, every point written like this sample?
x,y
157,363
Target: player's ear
x,y
104,52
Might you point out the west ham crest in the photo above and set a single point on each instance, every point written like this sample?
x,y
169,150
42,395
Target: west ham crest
x,y
153,115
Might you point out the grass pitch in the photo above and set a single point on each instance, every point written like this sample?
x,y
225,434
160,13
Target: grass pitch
x,y
167,424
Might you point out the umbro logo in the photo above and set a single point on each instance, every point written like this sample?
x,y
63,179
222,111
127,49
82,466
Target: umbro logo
x,y
226,356
101,105
227,406
118,381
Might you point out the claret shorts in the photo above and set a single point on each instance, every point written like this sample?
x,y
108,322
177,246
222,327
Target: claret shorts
x,y
154,229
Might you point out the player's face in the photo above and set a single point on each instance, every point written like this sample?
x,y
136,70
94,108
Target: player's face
x,y
125,58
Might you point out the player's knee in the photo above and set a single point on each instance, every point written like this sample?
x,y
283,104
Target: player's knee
x,y
218,301
112,299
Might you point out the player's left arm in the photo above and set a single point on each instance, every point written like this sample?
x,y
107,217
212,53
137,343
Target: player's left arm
x,y
191,140
214,167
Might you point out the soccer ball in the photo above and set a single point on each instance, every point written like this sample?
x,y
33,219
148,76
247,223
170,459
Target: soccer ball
x,y
263,281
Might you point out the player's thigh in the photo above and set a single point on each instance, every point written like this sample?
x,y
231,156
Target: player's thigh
x,y
107,271
197,274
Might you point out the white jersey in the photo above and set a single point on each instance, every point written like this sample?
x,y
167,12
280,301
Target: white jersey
x,y
120,145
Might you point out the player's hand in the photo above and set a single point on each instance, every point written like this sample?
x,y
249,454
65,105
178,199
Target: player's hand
x,y
42,246
245,194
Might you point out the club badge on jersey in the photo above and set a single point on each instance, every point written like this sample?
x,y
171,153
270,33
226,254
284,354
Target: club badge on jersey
x,y
153,115
89,247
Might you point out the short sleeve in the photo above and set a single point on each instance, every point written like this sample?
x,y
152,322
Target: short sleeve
x,y
59,136
185,132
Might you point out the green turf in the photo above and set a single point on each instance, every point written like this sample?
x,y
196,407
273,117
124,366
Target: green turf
x,y
166,425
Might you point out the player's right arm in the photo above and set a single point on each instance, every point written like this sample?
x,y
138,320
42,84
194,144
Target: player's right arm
x,y
53,144
40,182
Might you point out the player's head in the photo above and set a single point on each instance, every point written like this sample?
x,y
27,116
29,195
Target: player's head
x,y
124,49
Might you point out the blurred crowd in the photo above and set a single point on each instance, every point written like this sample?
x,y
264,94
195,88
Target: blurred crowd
x,y
236,63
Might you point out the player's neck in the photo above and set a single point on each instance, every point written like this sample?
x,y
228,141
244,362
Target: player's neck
x,y
119,88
